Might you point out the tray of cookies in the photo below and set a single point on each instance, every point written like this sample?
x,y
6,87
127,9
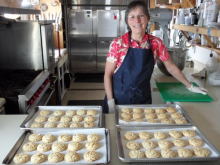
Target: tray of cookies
x,y
79,146
47,117
150,115
162,144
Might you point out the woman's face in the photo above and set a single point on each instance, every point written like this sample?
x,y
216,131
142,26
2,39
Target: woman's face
x,y
137,20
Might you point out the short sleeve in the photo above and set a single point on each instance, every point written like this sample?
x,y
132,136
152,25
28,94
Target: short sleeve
x,y
113,55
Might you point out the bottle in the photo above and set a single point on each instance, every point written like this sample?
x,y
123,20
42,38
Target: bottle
x,y
218,19
211,65
200,22
194,17
187,20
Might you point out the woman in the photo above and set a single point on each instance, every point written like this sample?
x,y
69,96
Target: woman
x,y
130,62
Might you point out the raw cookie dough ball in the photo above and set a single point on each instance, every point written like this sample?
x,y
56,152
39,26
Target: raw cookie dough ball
x,y
40,119
37,125
75,124
137,116
130,136
89,124
160,135
179,142
162,116
171,110
48,138
30,146
136,154
21,158
72,157
35,137
70,112
58,147
44,147
180,121
74,146
175,134
137,110
184,152
126,120
126,110
195,142
132,145
148,144
55,157
38,158
92,112
93,137
92,146
145,135
150,116
126,115
89,118
152,153
59,113
54,119
91,156
168,153
77,118
63,125
160,110
79,137
164,144
50,125
189,133
167,121
45,112
201,152
149,111
64,138
81,112
177,115
66,119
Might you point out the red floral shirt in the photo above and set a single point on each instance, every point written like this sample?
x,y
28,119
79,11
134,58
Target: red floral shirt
x,y
119,47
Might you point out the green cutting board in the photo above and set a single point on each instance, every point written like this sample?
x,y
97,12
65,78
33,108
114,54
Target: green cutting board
x,y
177,92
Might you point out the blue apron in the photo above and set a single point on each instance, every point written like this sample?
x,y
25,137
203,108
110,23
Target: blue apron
x,y
131,82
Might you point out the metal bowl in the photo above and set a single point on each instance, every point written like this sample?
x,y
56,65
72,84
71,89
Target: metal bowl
x,y
178,56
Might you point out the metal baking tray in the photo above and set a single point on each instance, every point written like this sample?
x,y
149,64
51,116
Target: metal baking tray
x,y
17,148
31,117
123,151
120,123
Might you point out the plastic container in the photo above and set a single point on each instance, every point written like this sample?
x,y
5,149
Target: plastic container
x,y
210,11
187,20
211,65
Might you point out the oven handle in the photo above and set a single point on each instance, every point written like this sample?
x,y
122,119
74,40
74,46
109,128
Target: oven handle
x,y
45,99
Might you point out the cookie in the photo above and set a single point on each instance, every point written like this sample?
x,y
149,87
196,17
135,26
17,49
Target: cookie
x,y
148,144
196,142
164,144
92,112
150,116
152,120
201,152
66,119
77,118
137,110
44,147
91,146
63,125
55,157
149,111
89,124
160,110
126,120
45,112
48,138
175,134
89,118
152,153
75,124
21,158
184,152
136,154
30,146
177,115
167,121
179,142
160,135
130,136
54,119
137,116
132,145
171,110
40,119
126,110
59,113
81,112
189,133
50,125
168,153
180,121
35,137
74,146
126,115
58,147
162,116
38,158
37,125
145,135
91,156
64,138
72,157
93,137
79,137
71,113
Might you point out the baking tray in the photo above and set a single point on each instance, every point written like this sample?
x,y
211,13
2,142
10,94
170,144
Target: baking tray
x,y
123,151
104,149
31,117
120,123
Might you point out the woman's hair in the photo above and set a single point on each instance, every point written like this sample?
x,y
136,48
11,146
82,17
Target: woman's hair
x,y
132,6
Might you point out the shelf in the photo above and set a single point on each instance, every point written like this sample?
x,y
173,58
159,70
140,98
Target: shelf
x,y
213,49
12,10
173,6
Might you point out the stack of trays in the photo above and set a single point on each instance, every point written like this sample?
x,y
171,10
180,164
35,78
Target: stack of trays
x,y
87,145
150,133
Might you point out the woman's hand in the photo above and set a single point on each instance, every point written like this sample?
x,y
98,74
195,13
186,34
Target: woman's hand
x,y
197,90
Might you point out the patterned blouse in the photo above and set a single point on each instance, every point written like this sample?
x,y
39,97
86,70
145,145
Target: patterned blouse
x,y
119,47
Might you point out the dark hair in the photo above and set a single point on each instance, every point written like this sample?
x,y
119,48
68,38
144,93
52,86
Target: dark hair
x,y
131,6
